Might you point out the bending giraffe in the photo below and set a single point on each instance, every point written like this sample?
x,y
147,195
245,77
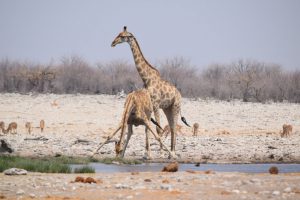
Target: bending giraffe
x,y
137,111
163,94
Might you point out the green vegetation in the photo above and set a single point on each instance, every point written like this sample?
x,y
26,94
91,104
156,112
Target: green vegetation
x,y
46,164
120,160
58,164
84,169
33,164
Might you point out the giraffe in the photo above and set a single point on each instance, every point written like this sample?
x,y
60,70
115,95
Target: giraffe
x,y
137,111
163,94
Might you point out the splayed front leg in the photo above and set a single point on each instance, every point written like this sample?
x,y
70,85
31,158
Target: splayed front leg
x,y
129,134
107,139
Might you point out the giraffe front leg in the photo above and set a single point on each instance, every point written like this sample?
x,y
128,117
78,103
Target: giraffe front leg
x,y
107,139
129,134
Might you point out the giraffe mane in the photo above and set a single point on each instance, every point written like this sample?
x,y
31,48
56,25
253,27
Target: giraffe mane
x,y
144,57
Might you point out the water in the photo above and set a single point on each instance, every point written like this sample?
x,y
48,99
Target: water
x,y
156,167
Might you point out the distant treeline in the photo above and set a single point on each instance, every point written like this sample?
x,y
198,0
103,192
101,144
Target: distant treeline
x,y
244,79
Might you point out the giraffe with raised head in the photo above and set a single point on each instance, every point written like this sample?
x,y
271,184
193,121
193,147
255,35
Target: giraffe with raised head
x,y
163,94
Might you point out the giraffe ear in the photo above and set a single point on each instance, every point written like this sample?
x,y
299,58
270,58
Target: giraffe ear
x,y
125,28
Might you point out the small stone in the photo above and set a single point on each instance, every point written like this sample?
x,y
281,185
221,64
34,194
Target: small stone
x,y
276,193
79,179
121,186
129,197
172,167
148,180
236,191
90,180
15,171
32,195
165,181
166,187
20,192
273,170
287,190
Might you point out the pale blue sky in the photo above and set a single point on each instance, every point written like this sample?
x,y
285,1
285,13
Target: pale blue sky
x,y
204,32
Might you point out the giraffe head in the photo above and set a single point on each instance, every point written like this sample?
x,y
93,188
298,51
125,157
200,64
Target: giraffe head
x,y
122,37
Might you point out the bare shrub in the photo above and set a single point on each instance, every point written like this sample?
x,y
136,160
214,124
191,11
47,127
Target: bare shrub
x,y
248,80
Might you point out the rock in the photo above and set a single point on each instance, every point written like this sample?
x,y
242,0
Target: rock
x,y
165,181
273,170
15,171
287,190
32,195
90,180
172,167
148,180
276,193
166,187
20,192
236,191
116,163
121,186
41,138
79,179
5,146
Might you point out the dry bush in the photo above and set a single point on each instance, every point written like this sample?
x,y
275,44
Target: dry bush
x,y
248,80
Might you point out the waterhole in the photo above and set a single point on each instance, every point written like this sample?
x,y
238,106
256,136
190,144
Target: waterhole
x,y
156,167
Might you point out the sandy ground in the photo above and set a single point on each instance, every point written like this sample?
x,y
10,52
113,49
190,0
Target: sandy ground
x,y
229,132
146,186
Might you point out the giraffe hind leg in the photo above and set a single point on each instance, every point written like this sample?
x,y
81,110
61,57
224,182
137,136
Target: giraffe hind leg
x,y
172,155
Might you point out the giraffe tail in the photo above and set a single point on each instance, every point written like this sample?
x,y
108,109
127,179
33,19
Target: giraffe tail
x,y
184,120
155,122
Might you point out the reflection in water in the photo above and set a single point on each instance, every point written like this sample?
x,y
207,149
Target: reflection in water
x,y
156,167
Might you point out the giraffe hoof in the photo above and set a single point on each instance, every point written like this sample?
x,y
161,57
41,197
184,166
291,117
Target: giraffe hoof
x,y
173,155
147,157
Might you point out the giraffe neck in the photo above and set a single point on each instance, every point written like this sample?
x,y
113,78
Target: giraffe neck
x,y
146,71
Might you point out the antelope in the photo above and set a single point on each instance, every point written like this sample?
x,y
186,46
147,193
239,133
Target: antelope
x,y
287,129
2,126
12,128
28,127
42,125
195,129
